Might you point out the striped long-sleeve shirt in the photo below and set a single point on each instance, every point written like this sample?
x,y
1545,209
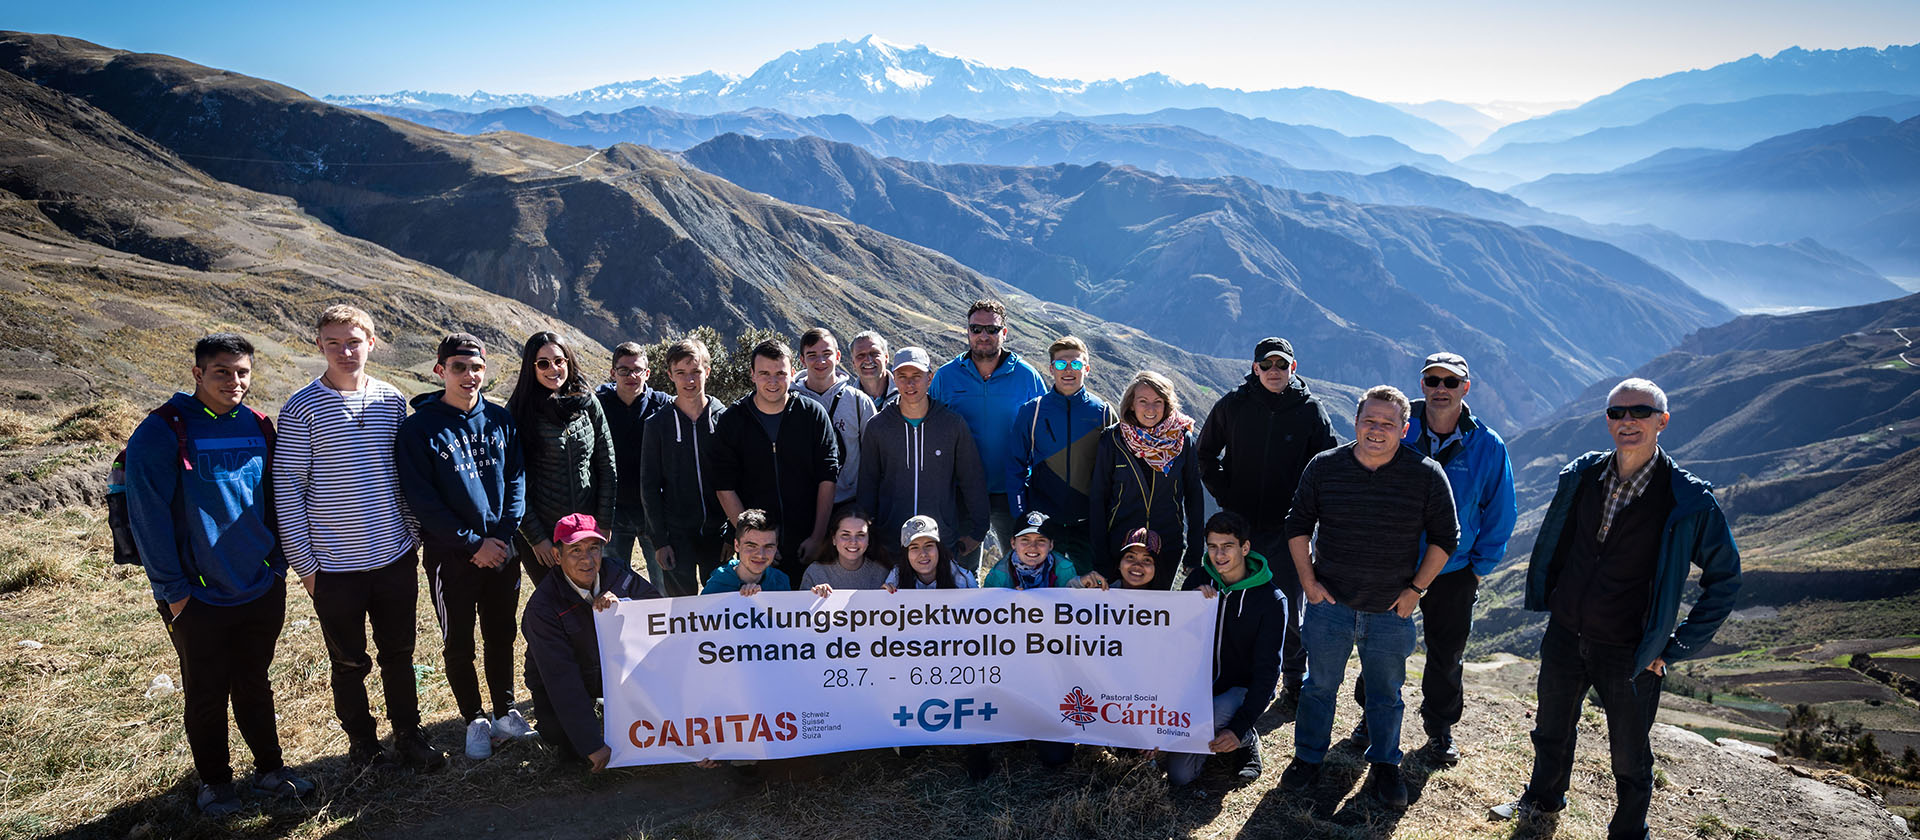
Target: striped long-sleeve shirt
x,y
336,491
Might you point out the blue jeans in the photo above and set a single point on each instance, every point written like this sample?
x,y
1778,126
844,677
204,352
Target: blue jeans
x,y
1330,632
1630,697
1185,767
629,531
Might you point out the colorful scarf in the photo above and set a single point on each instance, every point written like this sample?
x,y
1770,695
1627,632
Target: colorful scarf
x,y
1159,445
1038,577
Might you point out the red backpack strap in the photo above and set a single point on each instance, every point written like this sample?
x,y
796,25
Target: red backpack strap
x,y
178,423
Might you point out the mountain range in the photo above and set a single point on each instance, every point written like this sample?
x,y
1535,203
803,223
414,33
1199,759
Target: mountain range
x,y
1214,265
1854,185
1193,143
1728,126
871,78
1894,69
623,244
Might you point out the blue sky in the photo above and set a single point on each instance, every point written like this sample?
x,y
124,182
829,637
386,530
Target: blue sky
x,y
1398,50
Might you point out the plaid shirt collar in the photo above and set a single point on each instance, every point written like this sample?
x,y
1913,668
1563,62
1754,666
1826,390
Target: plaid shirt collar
x,y
1622,491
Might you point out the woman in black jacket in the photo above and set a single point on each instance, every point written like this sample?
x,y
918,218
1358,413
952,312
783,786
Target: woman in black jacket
x,y
1147,475
566,445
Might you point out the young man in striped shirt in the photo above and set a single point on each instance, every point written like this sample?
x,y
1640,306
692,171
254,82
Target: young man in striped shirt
x,y
345,532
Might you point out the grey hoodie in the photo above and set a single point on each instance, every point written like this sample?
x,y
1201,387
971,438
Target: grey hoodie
x,y
932,468
849,409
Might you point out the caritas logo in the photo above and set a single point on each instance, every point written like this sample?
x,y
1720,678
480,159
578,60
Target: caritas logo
x,y
718,729
1078,708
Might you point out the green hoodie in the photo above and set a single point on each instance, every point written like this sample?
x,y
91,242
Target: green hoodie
x,y
1257,573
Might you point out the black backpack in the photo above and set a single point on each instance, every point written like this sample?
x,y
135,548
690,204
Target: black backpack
x,y
124,550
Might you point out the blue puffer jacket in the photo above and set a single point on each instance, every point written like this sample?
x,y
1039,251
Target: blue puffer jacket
x,y
1051,448
988,405
1696,533
1482,478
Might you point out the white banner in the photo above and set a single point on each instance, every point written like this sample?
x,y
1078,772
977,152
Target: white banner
x,y
783,674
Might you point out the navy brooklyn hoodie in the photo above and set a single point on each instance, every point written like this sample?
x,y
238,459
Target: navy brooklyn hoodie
x,y
460,473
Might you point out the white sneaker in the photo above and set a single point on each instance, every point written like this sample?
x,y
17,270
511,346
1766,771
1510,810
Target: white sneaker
x,y
511,725
479,738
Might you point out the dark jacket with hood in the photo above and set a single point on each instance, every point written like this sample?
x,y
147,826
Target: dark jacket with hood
x,y
676,473
563,654
1128,493
931,468
780,477
460,473
569,460
1255,444
626,423
1247,635
1051,449
1695,533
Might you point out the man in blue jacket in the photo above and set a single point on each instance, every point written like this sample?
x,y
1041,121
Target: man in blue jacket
x,y
1609,568
462,480
197,505
1475,459
985,386
1051,449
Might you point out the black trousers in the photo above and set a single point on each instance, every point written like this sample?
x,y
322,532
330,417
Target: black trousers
x,y
1293,655
347,603
462,592
530,561
1630,697
695,556
224,653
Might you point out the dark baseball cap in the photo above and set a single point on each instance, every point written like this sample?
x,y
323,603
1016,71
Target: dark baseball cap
x,y
460,344
1274,346
1451,362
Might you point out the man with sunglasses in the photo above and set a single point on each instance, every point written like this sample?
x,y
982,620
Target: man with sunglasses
x,y
627,403
1051,451
1609,568
1474,457
1256,441
985,386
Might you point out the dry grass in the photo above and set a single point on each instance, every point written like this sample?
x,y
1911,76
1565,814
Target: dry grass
x,y
108,421
87,754
18,429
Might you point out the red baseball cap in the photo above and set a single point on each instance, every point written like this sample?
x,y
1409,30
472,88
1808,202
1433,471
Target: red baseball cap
x,y
1144,538
575,527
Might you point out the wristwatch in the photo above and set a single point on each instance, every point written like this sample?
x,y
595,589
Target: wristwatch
x,y
1417,589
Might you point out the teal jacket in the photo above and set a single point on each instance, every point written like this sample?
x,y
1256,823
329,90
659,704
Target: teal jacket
x,y
1001,575
1696,534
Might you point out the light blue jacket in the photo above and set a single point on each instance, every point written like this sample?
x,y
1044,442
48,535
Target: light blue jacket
x,y
988,405
1481,475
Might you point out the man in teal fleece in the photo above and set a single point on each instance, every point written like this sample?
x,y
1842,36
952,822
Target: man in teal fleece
x,y
197,504
985,386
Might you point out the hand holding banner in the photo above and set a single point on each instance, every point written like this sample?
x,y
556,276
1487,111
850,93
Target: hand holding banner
x,y
784,674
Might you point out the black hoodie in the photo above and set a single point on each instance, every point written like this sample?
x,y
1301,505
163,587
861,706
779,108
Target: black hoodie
x,y
1267,439
676,473
1247,636
780,477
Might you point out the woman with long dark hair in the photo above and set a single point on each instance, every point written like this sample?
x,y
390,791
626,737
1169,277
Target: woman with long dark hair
x,y
1147,475
566,443
930,563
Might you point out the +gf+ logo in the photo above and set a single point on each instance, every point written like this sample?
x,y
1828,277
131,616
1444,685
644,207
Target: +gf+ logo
x,y
936,714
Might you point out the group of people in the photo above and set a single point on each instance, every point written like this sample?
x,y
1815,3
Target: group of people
x,y
899,474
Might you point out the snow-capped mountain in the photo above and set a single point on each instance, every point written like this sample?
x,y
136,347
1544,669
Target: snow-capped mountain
x,y
872,78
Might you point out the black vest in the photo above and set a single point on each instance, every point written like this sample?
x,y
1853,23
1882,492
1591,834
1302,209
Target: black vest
x,y
1602,590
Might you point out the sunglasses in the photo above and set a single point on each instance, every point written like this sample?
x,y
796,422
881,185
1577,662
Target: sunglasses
x,y
1638,412
1271,363
983,329
550,364
1063,364
1451,382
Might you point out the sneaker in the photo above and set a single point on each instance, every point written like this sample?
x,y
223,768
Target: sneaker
x,y
1523,810
511,725
1287,700
1250,758
1441,751
480,739
1190,792
217,801
1384,782
1359,737
1300,776
367,753
283,783
416,753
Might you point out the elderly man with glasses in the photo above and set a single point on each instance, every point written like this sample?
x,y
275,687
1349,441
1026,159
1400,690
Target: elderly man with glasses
x,y
1609,568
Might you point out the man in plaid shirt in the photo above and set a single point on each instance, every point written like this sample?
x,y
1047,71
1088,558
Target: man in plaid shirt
x,y
1609,567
